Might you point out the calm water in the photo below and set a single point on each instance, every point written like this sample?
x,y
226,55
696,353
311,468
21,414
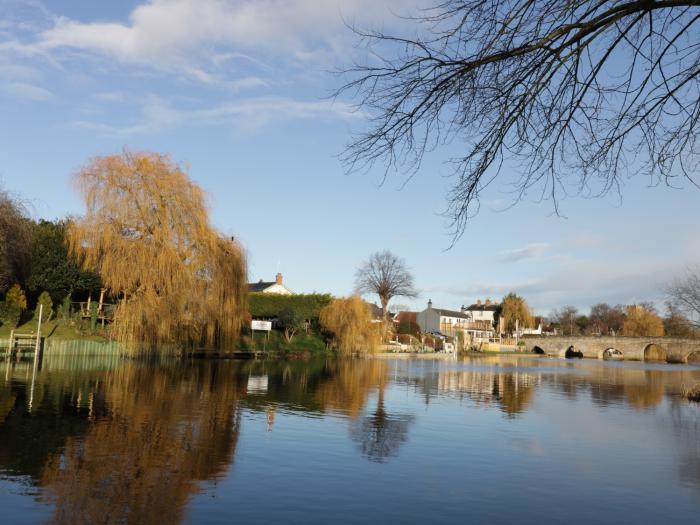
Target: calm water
x,y
493,439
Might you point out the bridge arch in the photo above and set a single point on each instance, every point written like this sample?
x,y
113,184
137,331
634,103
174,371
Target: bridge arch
x,y
572,353
654,352
538,350
613,354
693,358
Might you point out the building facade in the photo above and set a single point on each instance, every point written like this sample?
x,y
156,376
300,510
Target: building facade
x,y
275,287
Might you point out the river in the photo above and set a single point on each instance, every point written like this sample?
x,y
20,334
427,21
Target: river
x,y
500,439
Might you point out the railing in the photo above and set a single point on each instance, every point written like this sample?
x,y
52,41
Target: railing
x,y
105,311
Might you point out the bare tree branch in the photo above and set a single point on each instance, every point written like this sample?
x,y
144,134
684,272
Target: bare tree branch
x,y
573,96
685,294
386,275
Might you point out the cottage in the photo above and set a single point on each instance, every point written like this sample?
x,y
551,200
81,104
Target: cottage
x,y
274,287
479,311
482,318
446,322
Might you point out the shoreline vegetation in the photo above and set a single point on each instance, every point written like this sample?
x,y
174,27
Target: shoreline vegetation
x,y
169,282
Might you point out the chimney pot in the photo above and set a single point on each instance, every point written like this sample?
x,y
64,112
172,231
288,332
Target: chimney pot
x,y
278,278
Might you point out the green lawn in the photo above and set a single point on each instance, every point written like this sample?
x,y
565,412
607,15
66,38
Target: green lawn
x,y
52,330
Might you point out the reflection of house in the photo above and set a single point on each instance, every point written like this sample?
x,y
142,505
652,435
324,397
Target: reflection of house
x,y
276,286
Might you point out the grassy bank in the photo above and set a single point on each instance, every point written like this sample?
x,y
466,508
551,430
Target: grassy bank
x,y
53,330
275,342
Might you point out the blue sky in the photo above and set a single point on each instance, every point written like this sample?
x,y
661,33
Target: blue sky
x,y
238,90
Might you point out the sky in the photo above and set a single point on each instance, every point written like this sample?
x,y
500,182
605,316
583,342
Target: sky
x,y
240,93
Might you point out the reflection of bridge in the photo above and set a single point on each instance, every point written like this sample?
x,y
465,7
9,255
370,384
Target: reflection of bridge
x,y
665,349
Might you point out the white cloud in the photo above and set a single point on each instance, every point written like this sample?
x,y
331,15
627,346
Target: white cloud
x,y
198,37
247,115
26,91
581,283
530,251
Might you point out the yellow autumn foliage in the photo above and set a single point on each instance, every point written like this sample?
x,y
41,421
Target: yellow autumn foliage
x,y
146,231
350,322
642,321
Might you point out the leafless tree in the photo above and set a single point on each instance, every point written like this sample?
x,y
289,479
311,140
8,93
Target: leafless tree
x,y
570,96
685,293
15,237
386,275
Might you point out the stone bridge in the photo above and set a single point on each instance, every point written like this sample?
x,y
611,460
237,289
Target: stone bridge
x,y
663,349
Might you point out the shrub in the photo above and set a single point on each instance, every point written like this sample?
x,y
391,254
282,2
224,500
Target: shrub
x,y
350,322
291,321
63,310
12,307
45,301
307,306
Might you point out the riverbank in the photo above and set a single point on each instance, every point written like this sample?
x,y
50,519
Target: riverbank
x,y
53,330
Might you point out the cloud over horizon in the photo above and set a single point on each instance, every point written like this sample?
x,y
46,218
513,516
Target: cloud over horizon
x,y
536,249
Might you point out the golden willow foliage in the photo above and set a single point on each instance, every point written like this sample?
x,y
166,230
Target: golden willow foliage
x,y
146,231
350,322
165,430
642,321
514,308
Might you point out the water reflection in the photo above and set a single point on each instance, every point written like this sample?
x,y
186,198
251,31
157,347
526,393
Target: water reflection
x,y
111,441
380,433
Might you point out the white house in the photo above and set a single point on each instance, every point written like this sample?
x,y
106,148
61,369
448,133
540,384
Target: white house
x,y
479,311
276,286
447,322
475,323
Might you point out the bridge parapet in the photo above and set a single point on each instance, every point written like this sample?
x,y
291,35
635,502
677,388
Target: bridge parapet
x,y
668,349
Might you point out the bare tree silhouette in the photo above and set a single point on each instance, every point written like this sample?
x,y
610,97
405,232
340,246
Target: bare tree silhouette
x,y
573,96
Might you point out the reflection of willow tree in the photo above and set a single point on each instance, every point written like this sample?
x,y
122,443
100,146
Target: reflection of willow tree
x,y
166,431
380,434
649,393
513,397
350,384
7,403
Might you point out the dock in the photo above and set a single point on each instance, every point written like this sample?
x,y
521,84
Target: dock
x,y
23,342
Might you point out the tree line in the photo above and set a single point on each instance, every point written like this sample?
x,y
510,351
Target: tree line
x,y
35,266
146,239
641,319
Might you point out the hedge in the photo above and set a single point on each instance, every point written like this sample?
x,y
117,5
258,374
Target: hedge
x,y
269,305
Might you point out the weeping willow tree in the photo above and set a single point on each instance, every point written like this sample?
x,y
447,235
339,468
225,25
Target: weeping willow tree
x,y
146,231
350,322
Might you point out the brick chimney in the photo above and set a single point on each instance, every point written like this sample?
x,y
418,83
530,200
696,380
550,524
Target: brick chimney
x,y
278,279
487,302
478,302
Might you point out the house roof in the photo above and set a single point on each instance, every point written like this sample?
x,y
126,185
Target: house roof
x,y
260,286
377,311
482,307
406,317
450,313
